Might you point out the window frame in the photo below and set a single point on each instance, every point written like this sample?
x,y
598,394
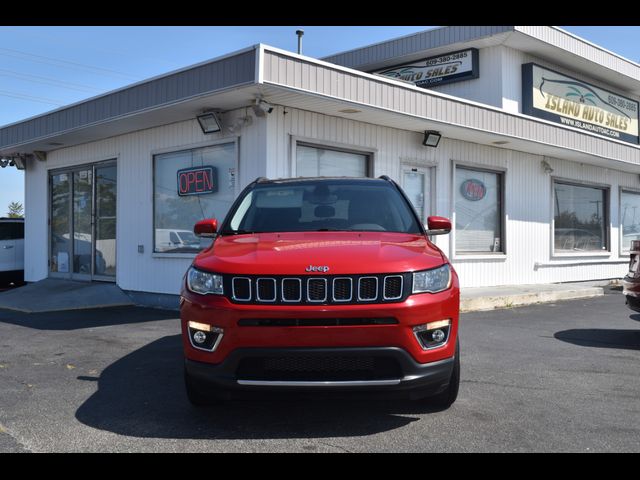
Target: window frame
x,y
502,174
607,218
185,148
370,153
621,251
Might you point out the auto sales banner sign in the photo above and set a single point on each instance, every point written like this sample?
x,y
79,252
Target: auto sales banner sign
x,y
567,101
433,71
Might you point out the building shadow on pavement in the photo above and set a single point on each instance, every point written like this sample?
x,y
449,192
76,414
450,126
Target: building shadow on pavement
x,y
79,319
602,338
143,395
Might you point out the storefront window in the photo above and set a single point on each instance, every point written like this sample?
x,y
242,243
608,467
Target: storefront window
x,y
630,218
322,162
580,220
191,185
478,208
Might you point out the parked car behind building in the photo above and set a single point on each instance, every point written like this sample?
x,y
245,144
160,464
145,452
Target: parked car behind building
x,y
11,251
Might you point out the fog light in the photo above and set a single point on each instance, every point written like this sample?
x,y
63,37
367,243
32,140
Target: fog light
x,y
438,336
204,336
199,337
433,335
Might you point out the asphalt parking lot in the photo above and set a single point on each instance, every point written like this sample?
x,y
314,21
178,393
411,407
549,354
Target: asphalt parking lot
x,y
546,378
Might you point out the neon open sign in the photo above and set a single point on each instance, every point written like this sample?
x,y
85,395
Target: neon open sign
x,y
197,181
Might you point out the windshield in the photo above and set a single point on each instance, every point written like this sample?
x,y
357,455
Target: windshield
x,y
322,205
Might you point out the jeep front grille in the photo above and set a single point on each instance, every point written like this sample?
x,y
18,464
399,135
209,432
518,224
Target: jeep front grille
x,y
318,290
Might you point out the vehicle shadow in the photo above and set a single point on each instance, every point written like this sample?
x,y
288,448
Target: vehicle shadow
x,y
143,395
79,319
601,338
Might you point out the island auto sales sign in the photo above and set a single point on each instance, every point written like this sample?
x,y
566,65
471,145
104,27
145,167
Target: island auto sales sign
x,y
570,102
434,71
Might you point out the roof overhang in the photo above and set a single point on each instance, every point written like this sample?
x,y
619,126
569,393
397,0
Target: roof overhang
x,y
168,98
318,86
288,79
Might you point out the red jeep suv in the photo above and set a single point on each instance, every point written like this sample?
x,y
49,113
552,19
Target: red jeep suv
x,y
321,285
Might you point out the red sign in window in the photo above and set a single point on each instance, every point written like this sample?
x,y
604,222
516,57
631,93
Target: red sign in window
x,y
197,181
473,190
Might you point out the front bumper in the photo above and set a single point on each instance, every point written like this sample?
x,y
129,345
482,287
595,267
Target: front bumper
x,y
241,325
410,380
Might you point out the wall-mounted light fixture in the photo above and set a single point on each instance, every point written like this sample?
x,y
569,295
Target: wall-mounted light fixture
x,y
209,122
546,167
431,138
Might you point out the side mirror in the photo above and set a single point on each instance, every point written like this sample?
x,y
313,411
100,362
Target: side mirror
x,y
438,225
206,228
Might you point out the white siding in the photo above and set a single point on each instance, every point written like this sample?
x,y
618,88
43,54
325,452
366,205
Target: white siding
x,y
334,83
487,88
140,272
36,231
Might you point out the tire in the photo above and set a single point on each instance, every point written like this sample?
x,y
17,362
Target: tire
x,y
445,399
196,394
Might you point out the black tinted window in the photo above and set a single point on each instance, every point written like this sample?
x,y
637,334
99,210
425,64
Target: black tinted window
x,y
322,206
11,230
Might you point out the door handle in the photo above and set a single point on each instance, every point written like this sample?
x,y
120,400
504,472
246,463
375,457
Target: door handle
x,y
7,247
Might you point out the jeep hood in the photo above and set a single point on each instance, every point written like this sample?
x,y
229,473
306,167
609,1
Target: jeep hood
x,y
343,252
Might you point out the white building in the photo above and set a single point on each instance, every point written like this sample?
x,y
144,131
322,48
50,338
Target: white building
x,y
537,165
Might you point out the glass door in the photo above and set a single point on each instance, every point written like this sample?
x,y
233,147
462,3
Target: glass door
x,y
415,183
60,225
105,225
83,223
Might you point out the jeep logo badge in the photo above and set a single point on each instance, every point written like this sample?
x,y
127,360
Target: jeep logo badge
x,y
313,268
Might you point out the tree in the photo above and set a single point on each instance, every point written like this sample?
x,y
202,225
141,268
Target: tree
x,y
16,210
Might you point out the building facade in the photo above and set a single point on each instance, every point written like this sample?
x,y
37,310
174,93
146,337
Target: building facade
x,y
538,162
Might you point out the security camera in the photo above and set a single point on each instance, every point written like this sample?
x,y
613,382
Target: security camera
x,y
261,108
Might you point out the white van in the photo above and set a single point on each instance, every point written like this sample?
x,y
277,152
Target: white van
x,y
11,251
171,240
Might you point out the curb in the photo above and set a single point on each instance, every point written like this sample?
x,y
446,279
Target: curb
x,y
481,304
65,309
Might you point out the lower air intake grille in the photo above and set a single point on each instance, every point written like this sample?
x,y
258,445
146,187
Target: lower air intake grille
x,y
319,368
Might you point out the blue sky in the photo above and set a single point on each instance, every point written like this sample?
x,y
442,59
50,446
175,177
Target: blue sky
x,y
43,68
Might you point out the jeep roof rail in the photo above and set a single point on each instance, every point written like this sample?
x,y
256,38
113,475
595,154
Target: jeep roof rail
x,y
261,180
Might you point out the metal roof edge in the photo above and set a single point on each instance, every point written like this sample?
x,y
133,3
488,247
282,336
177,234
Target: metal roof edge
x,y
133,85
593,45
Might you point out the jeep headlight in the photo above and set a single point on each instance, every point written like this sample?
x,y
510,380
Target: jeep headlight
x,y
432,281
204,283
